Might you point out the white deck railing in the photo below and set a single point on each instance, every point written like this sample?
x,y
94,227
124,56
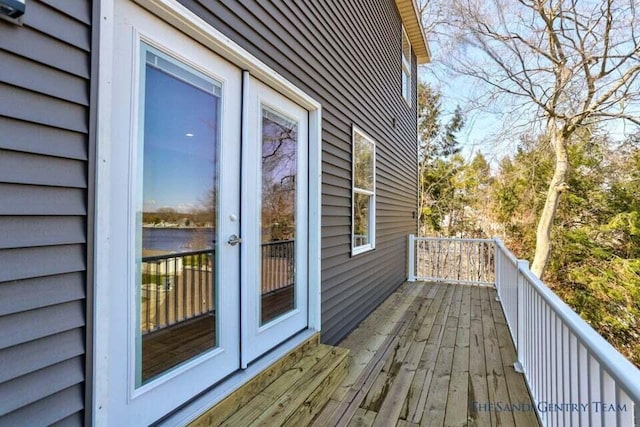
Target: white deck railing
x,y
575,377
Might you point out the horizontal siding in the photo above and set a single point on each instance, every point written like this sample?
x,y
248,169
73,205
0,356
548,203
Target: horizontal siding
x,y
42,322
37,385
40,48
32,356
21,232
38,139
44,111
32,293
78,10
40,200
42,261
35,169
72,420
42,79
57,24
59,407
347,55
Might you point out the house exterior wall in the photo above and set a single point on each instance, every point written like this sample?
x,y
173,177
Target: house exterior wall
x,y
45,68
347,55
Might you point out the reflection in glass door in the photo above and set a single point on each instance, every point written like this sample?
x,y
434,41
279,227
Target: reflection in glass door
x,y
278,216
177,223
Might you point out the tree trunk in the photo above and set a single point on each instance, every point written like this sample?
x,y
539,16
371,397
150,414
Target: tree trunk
x,y
556,187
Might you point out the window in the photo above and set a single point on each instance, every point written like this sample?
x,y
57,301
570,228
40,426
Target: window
x,y
406,67
364,193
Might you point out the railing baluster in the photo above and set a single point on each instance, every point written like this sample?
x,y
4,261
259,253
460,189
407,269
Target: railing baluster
x,y
166,293
590,391
467,261
148,317
200,283
179,284
565,381
437,254
411,272
555,366
481,248
207,286
539,336
156,321
608,395
583,381
573,383
449,257
478,264
545,354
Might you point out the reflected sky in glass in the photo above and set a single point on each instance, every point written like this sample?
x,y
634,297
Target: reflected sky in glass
x,y
180,139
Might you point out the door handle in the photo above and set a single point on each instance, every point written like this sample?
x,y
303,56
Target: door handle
x,y
234,240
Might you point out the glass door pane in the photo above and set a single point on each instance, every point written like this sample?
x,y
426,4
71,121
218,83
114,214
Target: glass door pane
x,y
278,233
177,280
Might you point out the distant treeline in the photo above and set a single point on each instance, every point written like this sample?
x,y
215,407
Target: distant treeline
x,y
198,218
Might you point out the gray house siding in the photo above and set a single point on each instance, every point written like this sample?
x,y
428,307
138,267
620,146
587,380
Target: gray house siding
x,y
347,55
45,67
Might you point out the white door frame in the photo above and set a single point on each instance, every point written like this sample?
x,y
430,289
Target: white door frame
x,y
196,28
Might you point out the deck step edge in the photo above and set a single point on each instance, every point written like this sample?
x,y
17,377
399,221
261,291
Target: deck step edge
x,y
228,406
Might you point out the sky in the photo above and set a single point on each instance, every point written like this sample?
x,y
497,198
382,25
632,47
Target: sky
x,y
490,130
180,142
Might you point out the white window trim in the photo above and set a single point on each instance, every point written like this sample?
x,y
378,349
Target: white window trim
x,y
195,27
355,250
406,68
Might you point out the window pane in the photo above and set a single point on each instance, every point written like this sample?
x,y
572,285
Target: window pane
x,y
361,233
363,155
406,86
279,150
177,225
406,47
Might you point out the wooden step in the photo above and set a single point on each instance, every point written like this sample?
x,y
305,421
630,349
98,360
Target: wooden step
x,y
290,395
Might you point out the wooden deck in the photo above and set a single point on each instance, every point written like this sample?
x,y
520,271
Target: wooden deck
x,y
432,355
288,393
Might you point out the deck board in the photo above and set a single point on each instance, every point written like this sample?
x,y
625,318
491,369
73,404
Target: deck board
x,y
496,381
431,355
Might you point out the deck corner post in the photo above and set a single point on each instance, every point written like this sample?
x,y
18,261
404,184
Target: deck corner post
x,y
519,366
411,267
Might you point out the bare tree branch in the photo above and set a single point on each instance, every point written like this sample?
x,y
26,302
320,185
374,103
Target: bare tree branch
x,y
559,65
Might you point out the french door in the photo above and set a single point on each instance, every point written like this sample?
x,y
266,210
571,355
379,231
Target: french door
x,y
274,205
208,191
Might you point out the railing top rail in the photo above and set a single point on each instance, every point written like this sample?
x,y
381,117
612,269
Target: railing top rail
x,y
616,365
201,251
456,239
278,242
176,255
